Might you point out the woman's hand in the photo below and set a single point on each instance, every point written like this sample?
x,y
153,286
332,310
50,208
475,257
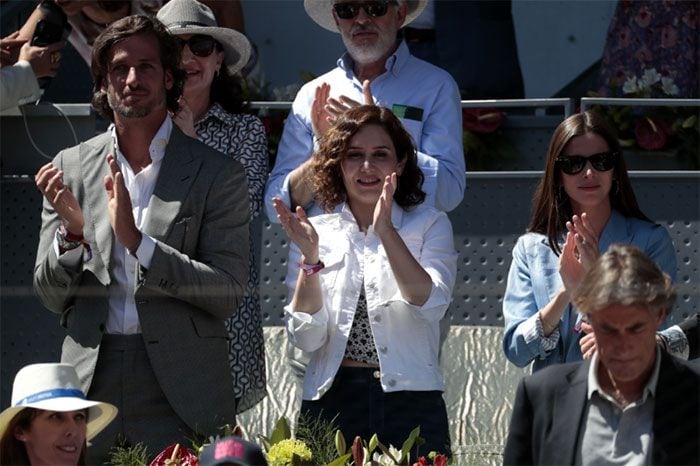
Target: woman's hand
x,y
299,230
184,119
382,210
587,342
570,267
586,240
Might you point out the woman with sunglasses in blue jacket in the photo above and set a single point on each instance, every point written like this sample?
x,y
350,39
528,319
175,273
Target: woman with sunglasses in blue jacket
x,y
582,205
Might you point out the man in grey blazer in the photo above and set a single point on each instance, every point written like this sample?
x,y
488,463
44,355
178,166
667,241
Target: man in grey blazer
x,y
144,250
631,403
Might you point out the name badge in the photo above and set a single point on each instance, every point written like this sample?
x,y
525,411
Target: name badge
x,y
408,113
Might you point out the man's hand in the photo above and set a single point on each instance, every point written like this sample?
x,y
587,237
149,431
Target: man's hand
x,y
9,49
121,215
326,110
44,60
49,180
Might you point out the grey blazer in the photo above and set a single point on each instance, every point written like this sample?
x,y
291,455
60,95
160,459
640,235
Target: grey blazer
x,y
198,215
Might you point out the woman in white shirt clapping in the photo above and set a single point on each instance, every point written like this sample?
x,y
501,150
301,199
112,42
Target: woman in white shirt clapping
x,y
374,277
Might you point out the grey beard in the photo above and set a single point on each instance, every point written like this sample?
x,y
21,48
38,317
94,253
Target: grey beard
x,y
128,112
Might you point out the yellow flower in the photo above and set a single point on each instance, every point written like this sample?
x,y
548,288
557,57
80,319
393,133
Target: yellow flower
x,y
280,453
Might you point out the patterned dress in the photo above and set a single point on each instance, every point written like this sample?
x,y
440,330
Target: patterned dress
x,y
242,137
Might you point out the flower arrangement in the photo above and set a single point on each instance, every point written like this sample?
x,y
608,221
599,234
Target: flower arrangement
x,y
484,141
675,129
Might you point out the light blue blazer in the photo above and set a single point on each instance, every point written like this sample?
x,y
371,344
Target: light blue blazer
x,y
534,279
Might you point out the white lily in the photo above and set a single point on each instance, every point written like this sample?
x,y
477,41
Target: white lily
x,y
650,77
669,87
630,86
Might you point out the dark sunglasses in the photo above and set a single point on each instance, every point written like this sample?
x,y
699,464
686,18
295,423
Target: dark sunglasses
x,y
573,164
349,10
200,45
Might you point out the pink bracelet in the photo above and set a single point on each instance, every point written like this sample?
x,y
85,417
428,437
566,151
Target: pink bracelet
x,y
310,269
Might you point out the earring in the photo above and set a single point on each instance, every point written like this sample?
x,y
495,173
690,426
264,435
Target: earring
x,y
216,73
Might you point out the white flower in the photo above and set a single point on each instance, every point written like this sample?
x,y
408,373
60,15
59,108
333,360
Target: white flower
x,y
385,460
668,86
630,86
650,77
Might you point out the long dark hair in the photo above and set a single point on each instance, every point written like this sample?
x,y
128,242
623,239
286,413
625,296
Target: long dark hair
x,y
227,90
13,451
551,207
328,177
120,30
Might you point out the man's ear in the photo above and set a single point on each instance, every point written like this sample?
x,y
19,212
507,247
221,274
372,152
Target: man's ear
x,y
402,11
168,80
659,320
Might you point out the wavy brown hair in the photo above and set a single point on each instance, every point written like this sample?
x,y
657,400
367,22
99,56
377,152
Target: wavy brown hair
x,y
120,30
551,207
328,178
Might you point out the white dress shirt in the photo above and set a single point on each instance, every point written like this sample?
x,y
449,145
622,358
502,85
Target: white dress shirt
x,y
407,336
122,317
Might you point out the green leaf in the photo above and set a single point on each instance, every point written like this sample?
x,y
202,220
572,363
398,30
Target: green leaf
x,y
340,461
408,444
373,443
281,431
340,444
690,121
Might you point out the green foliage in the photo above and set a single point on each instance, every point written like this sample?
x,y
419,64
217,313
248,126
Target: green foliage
x,y
320,435
123,454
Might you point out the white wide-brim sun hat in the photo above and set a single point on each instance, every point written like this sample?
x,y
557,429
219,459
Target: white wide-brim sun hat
x,y
55,387
183,17
321,12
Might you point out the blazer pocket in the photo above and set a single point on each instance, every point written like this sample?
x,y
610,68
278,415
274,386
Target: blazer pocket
x,y
206,327
333,261
178,233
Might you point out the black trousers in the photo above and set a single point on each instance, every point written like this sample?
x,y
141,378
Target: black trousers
x,y
125,378
363,408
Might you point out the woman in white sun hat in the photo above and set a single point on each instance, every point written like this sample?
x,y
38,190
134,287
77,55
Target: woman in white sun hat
x,y
211,110
50,421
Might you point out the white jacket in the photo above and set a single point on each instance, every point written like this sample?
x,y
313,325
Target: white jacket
x,y
407,337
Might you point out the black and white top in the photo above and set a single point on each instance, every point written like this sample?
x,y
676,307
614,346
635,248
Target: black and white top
x,y
361,345
242,137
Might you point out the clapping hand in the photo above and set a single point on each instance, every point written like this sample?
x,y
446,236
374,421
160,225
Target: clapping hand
x,y
49,180
121,215
325,110
586,240
298,229
382,210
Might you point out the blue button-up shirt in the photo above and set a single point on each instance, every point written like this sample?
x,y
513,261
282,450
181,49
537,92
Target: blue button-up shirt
x,y
534,279
425,97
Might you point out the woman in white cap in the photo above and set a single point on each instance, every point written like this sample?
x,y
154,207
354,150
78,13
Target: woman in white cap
x,y
50,421
210,110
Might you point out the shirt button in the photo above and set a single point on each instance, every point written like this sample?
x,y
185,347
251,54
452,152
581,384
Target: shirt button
x,y
383,349
372,286
376,374
377,318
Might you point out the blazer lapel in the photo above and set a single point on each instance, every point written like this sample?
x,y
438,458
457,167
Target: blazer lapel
x,y
567,413
93,169
177,173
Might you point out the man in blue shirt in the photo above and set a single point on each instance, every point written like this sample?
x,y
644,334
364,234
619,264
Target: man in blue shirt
x,y
424,97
